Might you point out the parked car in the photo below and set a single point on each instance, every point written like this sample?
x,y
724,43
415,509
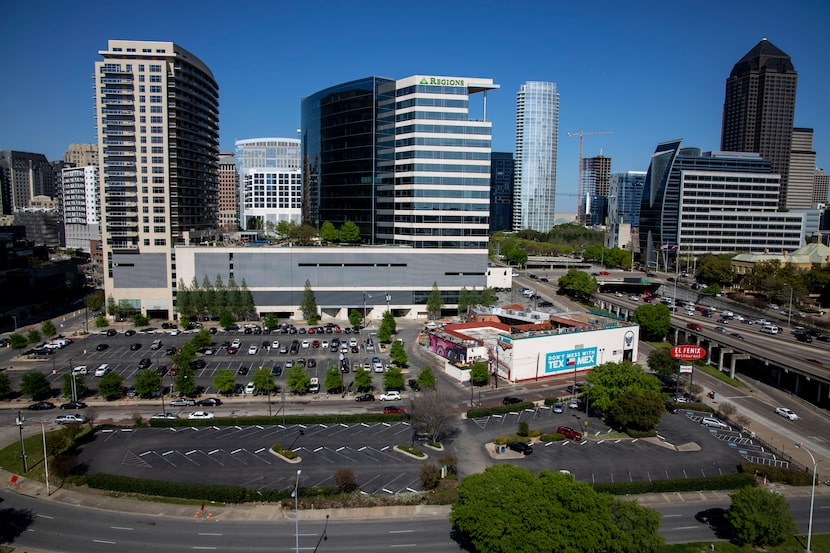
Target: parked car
x,y
198,415
101,347
787,413
80,369
558,407
520,447
130,332
69,418
164,416
569,433
112,332
182,402
365,397
145,363
102,369
276,370
510,400
41,406
135,347
252,350
712,422
393,410
242,371
73,405
390,396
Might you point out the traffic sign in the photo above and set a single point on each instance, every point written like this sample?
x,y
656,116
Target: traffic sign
x,y
688,352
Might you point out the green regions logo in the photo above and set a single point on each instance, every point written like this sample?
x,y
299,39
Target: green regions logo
x,y
442,81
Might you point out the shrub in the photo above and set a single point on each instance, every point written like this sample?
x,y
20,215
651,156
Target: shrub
x,y
546,438
721,482
501,440
412,450
640,433
430,476
791,477
524,429
345,480
451,462
499,410
287,453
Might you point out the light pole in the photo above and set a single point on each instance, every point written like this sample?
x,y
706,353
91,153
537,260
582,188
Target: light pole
x,y
790,310
297,512
412,418
812,493
19,422
45,459
388,299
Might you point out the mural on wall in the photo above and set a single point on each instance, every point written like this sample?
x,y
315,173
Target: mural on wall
x,y
447,349
567,361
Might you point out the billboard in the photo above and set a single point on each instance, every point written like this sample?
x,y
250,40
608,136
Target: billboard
x,y
566,361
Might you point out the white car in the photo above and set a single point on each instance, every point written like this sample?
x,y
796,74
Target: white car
x,y
250,388
70,418
390,396
353,342
634,298
305,344
784,412
164,416
324,344
236,343
275,344
196,415
252,350
102,370
81,369
712,422
175,332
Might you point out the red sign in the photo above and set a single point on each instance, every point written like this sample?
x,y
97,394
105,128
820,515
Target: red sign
x,y
688,352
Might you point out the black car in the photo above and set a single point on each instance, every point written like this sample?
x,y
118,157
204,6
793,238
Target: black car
x,y
101,347
364,389
161,370
671,407
73,405
520,447
365,397
804,337
41,406
510,400
209,402
242,371
713,516
112,332
414,384
129,333
135,346
145,363
198,364
276,370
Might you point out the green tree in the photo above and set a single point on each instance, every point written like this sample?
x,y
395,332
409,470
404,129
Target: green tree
x,y
463,301
271,321
147,383
480,373
349,232
233,300
112,309
760,517
80,385
393,379
654,320
48,329
488,297
328,233
305,234
434,302
355,317
426,378
94,300
308,305
712,290
333,378
712,269
226,319
5,386
18,341
398,353
609,380
662,363
297,380
637,410
387,327
184,299
33,336
101,322
490,511
264,381
140,320
362,378
577,284
35,385
285,228
185,382
246,300
224,381
111,386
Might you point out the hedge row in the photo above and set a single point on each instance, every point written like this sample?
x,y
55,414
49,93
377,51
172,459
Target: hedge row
x,y
500,410
278,419
199,492
721,482
791,477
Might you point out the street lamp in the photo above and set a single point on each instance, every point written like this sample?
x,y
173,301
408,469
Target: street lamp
x,y
296,495
812,492
412,418
45,459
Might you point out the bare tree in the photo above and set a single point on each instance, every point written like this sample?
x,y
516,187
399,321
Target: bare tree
x,y
432,413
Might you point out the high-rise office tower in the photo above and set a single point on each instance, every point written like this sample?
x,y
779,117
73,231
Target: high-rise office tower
x,y
270,181
402,159
759,108
228,200
81,155
820,187
158,142
802,170
537,130
81,206
501,191
596,179
26,175
624,194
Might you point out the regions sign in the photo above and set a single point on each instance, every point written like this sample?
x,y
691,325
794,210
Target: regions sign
x,y
688,352
570,360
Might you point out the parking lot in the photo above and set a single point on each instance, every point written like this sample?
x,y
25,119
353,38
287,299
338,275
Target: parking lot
x,y
240,455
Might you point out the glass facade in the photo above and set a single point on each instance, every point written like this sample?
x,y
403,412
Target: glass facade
x,y
501,191
256,160
537,130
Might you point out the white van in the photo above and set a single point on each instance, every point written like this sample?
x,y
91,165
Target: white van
x,y
769,329
102,369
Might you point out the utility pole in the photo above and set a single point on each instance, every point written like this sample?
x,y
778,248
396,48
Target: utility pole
x,y
580,216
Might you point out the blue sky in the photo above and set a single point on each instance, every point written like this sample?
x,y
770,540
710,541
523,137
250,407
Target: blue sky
x,y
647,71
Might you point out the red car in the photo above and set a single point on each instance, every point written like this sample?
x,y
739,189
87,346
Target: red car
x,y
569,433
605,273
694,326
393,410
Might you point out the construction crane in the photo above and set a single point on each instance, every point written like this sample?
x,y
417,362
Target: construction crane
x,y
580,216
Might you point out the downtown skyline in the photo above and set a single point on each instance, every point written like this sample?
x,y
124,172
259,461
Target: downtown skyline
x,y
644,77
